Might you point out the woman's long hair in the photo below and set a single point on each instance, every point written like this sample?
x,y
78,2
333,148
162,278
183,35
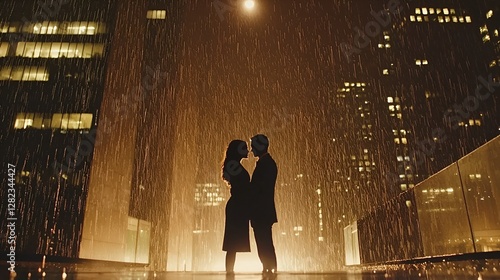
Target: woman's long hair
x,y
234,153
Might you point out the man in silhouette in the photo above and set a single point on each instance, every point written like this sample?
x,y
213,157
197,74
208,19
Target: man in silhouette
x,y
263,214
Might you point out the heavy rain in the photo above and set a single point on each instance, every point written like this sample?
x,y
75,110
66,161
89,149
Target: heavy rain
x,y
117,115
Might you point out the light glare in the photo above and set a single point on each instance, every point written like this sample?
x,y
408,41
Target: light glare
x,y
249,4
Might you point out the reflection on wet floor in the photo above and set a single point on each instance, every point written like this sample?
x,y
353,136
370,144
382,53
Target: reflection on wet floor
x,y
243,276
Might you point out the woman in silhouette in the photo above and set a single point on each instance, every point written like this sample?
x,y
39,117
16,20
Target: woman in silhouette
x,y
236,232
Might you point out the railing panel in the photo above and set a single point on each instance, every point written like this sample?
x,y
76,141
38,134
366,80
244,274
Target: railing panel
x,y
442,214
390,232
480,173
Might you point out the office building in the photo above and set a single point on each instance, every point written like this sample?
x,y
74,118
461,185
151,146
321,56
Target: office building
x,y
80,84
424,65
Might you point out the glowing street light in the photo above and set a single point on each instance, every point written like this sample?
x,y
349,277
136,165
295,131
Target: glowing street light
x,y
249,5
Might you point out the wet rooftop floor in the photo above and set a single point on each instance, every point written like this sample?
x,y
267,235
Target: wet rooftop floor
x,y
248,276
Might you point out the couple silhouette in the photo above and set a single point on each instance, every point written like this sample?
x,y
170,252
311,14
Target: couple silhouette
x,y
251,202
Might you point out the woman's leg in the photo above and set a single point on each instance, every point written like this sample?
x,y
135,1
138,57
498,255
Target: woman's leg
x,y
230,260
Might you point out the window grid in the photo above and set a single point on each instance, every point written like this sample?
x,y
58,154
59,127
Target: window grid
x,y
59,49
78,121
24,73
156,14
55,27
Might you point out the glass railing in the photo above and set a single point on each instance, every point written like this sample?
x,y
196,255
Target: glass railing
x,y
455,211
480,176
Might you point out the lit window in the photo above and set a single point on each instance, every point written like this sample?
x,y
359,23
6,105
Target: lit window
x,y
424,11
426,18
417,11
380,46
419,18
385,71
493,63
486,38
404,141
59,49
83,28
404,187
447,19
477,122
388,46
412,18
468,19
396,140
24,122
4,28
392,108
55,121
440,19
489,14
24,73
399,116
400,158
64,27
387,38
452,11
461,19
438,11
45,27
9,27
421,62
156,14
446,11
455,19
4,49
431,11
495,32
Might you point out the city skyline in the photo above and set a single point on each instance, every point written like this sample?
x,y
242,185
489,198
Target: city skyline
x,y
137,102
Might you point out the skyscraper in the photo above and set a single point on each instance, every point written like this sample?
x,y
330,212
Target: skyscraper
x,y
426,68
53,64
81,85
489,26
